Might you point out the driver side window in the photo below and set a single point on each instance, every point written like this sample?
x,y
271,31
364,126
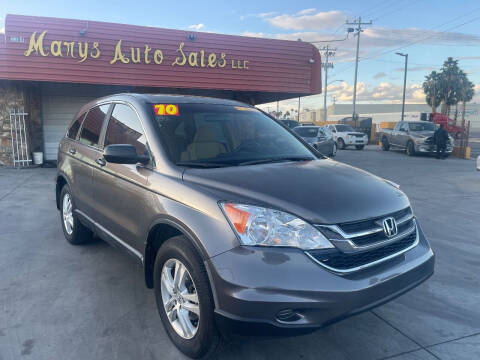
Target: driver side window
x,y
124,127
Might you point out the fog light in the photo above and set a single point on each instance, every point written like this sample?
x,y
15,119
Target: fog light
x,y
288,315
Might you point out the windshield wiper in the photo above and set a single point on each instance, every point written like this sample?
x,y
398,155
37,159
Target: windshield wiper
x,y
201,164
276,159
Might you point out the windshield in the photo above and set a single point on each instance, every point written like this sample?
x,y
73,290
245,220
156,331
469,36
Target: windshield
x,y
344,128
426,126
206,134
306,132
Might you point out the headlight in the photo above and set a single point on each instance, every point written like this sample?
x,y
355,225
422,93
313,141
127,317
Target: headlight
x,y
267,227
419,140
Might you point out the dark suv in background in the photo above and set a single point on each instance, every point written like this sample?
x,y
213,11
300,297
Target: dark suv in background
x,y
234,218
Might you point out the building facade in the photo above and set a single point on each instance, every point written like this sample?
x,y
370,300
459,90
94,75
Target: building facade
x,y
50,67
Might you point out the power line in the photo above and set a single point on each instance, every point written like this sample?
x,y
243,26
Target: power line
x,y
378,6
419,40
403,7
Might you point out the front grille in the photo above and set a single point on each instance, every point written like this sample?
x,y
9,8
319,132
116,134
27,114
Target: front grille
x,y
380,236
365,225
357,135
360,243
335,259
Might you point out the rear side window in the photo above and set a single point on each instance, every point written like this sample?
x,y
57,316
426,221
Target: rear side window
x,y
306,132
73,131
92,125
124,127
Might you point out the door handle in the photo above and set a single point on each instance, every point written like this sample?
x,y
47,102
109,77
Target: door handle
x,y
72,151
101,162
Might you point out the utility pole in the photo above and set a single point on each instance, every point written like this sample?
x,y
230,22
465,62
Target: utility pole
x,y
277,110
298,112
327,51
404,83
359,24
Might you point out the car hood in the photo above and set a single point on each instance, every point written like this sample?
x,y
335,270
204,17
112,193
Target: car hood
x,y
426,133
319,191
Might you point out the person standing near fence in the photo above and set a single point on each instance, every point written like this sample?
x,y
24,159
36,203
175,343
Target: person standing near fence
x,y
440,137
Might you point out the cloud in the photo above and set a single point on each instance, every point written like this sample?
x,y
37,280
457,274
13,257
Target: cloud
x,y
380,75
383,92
197,27
306,11
2,30
266,14
304,21
375,41
469,58
253,34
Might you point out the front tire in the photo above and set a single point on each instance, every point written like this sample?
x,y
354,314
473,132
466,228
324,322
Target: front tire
x,y
184,298
334,150
385,144
410,149
341,144
75,232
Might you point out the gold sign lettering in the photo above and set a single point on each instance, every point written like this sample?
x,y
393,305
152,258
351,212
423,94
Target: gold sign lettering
x,y
36,44
158,57
145,54
97,50
56,48
183,59
119,55
84,50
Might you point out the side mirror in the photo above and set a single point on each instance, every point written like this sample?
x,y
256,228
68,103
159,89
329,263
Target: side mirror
x,y
123,154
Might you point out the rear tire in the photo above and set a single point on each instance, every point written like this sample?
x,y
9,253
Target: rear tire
x,y
204,339
410,149
359,147
75,232
334,150
385,144
341,144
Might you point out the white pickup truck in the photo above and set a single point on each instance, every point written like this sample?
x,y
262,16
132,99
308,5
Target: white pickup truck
x,y
345,135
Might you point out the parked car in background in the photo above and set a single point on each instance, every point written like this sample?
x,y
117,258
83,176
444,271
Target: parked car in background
x,y
413,137
450,125
290,123
233,219
345,136
318,137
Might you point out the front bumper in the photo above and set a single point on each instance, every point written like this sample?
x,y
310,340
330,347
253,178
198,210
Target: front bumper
x,y
257,285
356,141
430,148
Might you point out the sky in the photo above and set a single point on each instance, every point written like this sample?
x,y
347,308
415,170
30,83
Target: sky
x,y
428,30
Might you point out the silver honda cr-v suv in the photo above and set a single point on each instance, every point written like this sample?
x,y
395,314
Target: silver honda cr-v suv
x,y
234,218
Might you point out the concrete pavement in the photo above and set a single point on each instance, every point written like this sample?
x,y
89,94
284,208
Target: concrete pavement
x,y
58,301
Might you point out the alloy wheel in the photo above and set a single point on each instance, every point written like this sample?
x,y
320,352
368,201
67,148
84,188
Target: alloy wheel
x,y
67,212
180,298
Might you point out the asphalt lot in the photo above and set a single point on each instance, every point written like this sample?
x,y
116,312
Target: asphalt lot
x,y
474,143
58,301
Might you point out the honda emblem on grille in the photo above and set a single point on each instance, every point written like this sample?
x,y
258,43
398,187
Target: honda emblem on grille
x,y
390,227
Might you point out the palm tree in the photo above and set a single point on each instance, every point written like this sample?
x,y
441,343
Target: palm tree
x,y
431,88
465,93
449,80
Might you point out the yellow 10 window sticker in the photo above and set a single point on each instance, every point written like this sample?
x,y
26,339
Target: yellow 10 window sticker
x,y
166,109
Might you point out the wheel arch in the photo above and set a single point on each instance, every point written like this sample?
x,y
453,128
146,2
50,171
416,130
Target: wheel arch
x,y
160,231
60,182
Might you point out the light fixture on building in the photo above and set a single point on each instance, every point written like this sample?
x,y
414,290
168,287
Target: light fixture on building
x,y
83,32
192,37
